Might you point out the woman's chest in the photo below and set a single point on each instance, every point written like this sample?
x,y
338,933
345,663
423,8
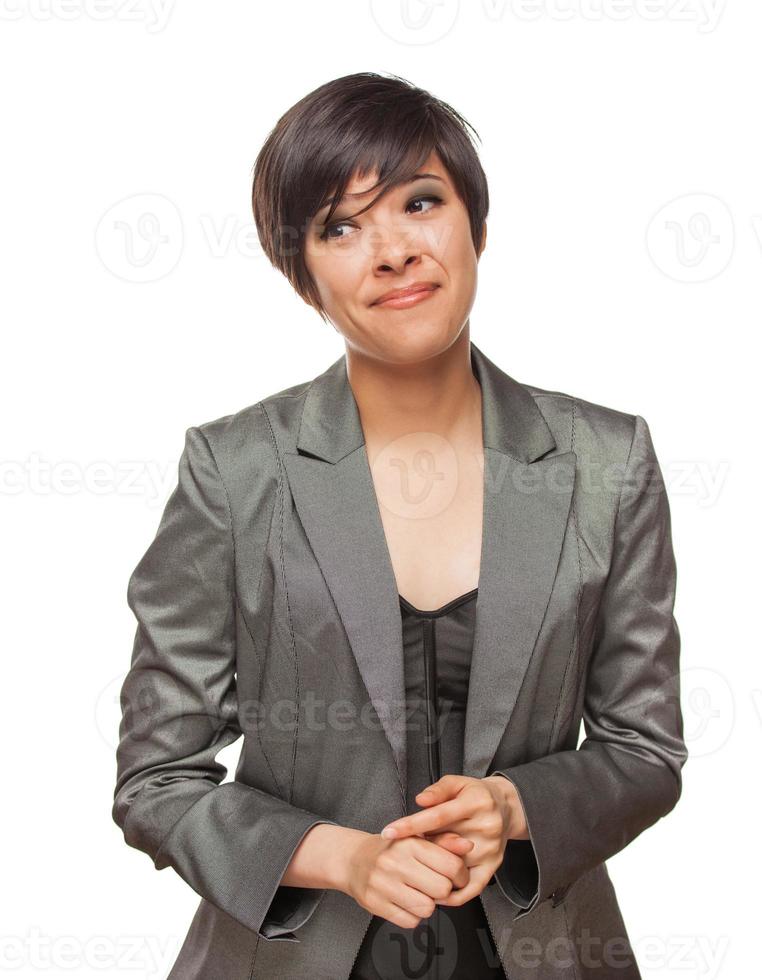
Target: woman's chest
x,y
431,507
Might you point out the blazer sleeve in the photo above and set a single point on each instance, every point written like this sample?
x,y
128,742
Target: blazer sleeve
x,y
230,842
584,805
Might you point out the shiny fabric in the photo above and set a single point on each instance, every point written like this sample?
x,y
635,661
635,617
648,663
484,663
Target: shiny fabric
x,y
267,610
454,943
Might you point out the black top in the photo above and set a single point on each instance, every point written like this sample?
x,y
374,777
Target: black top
x,y
454,943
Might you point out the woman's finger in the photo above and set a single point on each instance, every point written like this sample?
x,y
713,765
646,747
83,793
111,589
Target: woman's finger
x,y
477,881
456,843
437,817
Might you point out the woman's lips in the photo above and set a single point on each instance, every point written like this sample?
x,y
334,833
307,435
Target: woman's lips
x,y
411,299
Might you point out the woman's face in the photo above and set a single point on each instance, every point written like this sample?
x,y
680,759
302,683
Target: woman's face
x,y
418,232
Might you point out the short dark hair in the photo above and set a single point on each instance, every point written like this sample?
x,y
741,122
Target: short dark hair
x,y
357,123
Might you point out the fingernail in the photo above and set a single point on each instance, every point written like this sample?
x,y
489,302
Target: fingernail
x,y
388,833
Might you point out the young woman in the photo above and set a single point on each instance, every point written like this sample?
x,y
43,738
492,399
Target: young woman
x,y
406,582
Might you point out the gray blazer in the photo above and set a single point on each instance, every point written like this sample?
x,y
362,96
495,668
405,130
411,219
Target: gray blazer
x,y
267,606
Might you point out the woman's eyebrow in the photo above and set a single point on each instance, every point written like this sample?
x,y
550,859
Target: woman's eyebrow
x,y
414,178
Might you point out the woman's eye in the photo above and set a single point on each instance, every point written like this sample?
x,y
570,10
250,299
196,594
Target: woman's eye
x,y
329,228
327,231
427,197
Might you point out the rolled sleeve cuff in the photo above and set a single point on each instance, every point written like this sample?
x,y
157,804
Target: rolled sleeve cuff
x,y
291,906
518,877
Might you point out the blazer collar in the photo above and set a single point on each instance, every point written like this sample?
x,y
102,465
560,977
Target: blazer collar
x,y
330,426
522,535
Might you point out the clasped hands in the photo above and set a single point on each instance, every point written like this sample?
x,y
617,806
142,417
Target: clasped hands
x,y
473,818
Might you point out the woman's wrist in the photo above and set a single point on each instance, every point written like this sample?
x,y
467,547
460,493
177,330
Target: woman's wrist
x,y
513,810
324,857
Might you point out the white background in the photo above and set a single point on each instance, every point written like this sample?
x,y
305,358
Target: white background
x,y
622,144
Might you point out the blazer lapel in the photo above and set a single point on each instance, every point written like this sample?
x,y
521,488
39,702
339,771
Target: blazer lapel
x,y
335,498
526,508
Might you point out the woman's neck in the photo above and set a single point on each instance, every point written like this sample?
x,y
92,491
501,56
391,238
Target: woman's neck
x,y
439,395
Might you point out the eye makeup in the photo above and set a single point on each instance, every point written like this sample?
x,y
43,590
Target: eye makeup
x,y
424,195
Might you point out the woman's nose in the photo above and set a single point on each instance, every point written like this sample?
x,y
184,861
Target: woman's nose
x,y
394,244
396,261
